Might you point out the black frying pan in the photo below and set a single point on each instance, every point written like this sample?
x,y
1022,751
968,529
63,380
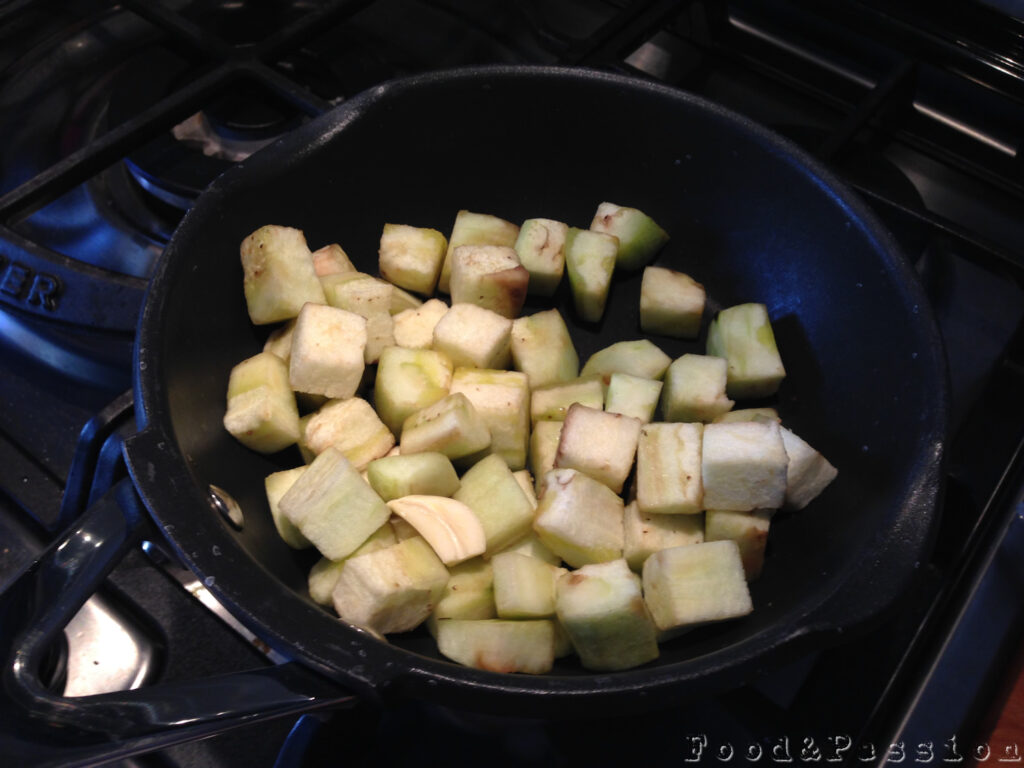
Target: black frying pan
x,y
751,217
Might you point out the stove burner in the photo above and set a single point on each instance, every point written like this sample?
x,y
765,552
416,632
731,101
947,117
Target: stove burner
x,y
198,130
177,166
246,116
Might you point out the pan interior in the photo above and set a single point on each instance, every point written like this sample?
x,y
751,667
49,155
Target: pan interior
x,y
746,218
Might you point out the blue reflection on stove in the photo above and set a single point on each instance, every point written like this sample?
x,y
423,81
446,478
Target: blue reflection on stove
x,y
74,226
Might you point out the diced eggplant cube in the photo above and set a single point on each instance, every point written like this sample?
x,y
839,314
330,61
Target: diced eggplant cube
x,y
645,534
748,529
748,414
524,586
430,474
543,349
491,491
541,249
502,398
261,411
407,381
475,229
391,589
451,426
590,261
601,445
468,594
497,645
641,357
671,303
489,276
695,389
261,370
411,257
474,337
743,336
602,610
262,420
531,545
328,349
639,236
632,396
579,518
333,506
276,485
552,402
543,449
323,576
414,328
696,584
351,426
331,260
279,277
743,466
358,292
809,472
369,298
668,469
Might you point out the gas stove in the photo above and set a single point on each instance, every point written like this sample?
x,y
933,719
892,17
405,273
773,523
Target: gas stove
x,y
114,118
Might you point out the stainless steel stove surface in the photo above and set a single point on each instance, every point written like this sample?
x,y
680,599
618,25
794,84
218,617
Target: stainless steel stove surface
x,y
114,117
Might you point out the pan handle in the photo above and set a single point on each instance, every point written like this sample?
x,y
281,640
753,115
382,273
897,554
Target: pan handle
x,y
872,592
39,727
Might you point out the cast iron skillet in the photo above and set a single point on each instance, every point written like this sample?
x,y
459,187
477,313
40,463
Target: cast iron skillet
x,y
751,217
